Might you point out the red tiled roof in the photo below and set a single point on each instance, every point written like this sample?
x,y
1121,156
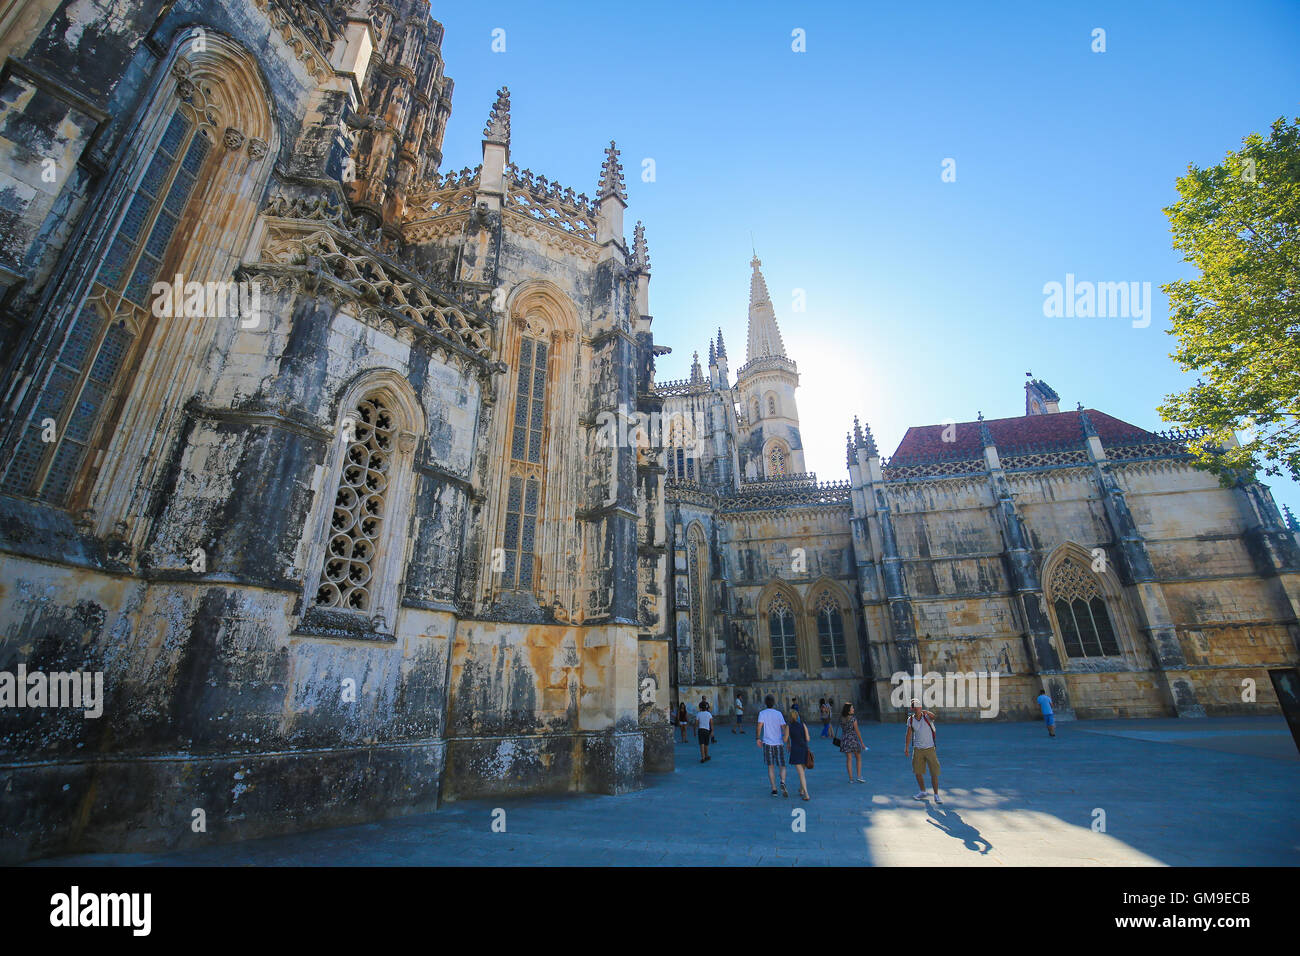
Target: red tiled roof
x,y
925,441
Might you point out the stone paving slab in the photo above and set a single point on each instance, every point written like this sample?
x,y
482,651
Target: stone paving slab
x,y
1017,798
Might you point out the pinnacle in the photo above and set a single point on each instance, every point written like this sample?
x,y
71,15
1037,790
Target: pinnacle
x,y
611,175
498,124
640,251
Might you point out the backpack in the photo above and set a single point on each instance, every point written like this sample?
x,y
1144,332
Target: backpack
x,y
929,723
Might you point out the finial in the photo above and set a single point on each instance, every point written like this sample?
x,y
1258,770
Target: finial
x,y
640,250
713,356
986,436
498,124
862,437
722,348
1085,422
611,176
696,374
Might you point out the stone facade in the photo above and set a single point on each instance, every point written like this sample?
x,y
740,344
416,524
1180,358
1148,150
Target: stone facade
x,y
343,545
971,550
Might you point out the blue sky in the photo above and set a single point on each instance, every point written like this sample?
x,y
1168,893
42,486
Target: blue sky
x,y
924,298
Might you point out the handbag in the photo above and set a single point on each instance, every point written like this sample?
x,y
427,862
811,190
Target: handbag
x,y
837,742
808,765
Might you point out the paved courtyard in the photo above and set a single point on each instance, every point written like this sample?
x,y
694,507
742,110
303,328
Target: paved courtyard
x,y
1219,792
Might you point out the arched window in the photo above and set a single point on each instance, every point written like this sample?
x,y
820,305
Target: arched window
x,y
527,465
771,405
830,631
697,559
1082,617
780,625
776,462
755,409
358,549
360,507
81,381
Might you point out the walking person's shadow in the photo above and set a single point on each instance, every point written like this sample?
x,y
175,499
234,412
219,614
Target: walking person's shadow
x,y
950,823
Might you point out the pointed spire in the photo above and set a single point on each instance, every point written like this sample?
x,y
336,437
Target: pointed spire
x,y
757,284
640,251
722,347
986,436
862,437
764,335
498,124
849,448
713,356
1290,519
697,376
611,176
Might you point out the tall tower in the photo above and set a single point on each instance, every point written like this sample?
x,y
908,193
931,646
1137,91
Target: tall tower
x,y
770,444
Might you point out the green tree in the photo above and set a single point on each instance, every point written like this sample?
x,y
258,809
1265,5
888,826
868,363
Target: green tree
x,y
1238,323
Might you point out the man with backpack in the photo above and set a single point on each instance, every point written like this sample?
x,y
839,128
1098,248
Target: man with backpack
x,y
920,742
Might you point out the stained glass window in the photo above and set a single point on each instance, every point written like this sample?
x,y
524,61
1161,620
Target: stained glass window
x,y
1081,612
780,624
830,632
523,499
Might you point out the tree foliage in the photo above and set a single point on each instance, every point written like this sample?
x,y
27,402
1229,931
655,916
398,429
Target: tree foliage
x,y
1238,323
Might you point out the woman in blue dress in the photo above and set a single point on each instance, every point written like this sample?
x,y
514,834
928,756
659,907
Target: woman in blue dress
x,y
800,737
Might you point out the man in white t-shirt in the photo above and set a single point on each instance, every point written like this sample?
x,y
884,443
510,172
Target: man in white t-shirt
x,y
773,732
704,723
740,716
920,739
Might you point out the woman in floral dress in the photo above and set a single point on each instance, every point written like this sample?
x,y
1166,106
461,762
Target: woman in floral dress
x,y
851,741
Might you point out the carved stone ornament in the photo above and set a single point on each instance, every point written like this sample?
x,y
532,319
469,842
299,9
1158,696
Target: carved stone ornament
x,y
234,139
257,148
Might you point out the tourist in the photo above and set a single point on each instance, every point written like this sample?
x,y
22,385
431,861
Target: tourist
x,y
825,710
1049,715
851,741
800,737
920,739
740,716
704,722
681,719
772,735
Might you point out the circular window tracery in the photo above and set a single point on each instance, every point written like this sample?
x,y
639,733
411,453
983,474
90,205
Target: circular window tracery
x,y
359,504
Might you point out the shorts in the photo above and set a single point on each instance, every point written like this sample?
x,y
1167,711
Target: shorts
x,y
774,755
925,758
1049,719
703,736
